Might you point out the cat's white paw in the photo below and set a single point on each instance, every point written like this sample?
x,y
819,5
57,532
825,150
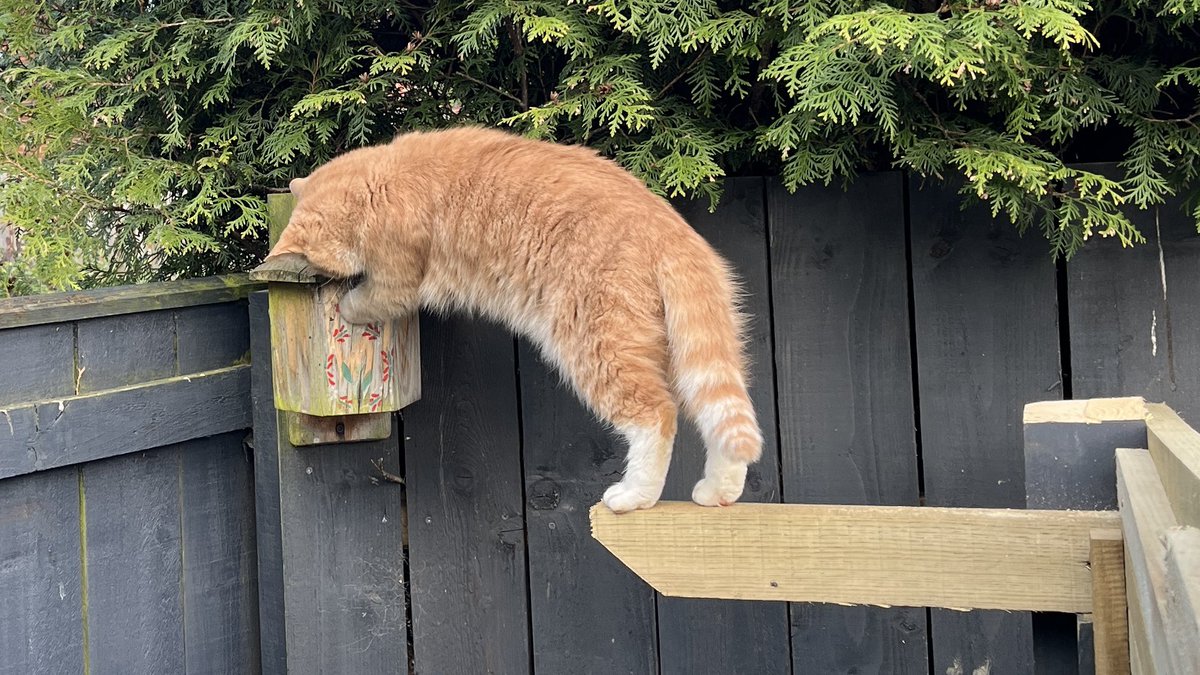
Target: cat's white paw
x,y
355,308
722,489
624,497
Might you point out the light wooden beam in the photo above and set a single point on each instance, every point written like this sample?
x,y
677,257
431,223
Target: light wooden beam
x,y
1175,447
1086,411
1182,613
1145,516
1110,619
862,555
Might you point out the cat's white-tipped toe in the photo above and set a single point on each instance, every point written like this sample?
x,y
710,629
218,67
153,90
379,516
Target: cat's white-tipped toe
x,y
622,498
721,490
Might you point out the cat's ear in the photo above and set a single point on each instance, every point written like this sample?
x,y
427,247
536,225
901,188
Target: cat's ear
x,y
297,186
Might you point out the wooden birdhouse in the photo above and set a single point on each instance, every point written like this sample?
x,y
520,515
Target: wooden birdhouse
x,y
334,380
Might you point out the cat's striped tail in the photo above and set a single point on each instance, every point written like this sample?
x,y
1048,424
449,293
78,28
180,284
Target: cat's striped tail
x,y
705,333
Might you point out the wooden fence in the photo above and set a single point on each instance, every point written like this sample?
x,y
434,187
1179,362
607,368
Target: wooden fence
x,y
896,339
126,512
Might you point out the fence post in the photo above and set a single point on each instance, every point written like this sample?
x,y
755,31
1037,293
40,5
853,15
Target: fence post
x,y
331,538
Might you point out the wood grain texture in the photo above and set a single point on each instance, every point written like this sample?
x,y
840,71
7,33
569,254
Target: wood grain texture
x,y
39,363
1140,336
1110,621
220,597
212,336
304,430
1008,559
845,396
118,351
1086,410
41,626
697,635
93,426
1175,447
1181,614
49,308
1145,517
330,546
589,613
987,343
466,511
134,564
291,268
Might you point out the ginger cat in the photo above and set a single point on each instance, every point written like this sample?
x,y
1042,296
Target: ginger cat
x,y
618,292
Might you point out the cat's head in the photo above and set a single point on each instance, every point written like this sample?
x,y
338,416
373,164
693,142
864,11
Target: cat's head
x,y
331,213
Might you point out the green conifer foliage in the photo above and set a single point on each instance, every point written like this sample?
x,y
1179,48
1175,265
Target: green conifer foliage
x,y
138,140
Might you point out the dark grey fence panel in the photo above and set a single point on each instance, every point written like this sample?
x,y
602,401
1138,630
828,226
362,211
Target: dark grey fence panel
x,y
987,343
1134,324
116,351
219,558
41,603
466,538
36,363
716,636
134,563
840,302
124,543
590,614
338,578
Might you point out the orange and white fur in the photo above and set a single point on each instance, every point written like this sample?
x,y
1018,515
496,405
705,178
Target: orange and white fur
x,y
630,304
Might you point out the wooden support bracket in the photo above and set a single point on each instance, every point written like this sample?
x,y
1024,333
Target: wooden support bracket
x,y
861,555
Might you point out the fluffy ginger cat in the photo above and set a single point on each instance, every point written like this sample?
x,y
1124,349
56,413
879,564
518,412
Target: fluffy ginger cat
x,y
617,291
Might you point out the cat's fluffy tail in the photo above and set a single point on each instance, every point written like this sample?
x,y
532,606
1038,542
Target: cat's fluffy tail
x,y
708,366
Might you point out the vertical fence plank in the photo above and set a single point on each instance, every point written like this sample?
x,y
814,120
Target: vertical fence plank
x,y
134,563
697,636
220,593
39,363
118,350
212,336
845,393
987,343
590,614
41,628
1134,328
335,579
465,504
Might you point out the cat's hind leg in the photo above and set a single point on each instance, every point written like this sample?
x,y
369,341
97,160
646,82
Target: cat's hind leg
x,y
624,380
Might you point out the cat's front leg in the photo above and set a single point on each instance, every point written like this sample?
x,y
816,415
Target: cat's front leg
x,y
361,304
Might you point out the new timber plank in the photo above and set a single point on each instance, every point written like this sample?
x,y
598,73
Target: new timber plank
x,y
220,597
83,428
1004,559
465,504
134,564
987,343
697,635
331,556
588,613
1110,614
41,603
1175,447
845,395
1145,517
1182,611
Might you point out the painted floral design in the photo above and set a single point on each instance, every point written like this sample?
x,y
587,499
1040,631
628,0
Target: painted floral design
x,y
341,377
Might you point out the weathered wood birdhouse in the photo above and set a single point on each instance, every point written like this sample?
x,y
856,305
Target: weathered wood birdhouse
x,y
335,381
